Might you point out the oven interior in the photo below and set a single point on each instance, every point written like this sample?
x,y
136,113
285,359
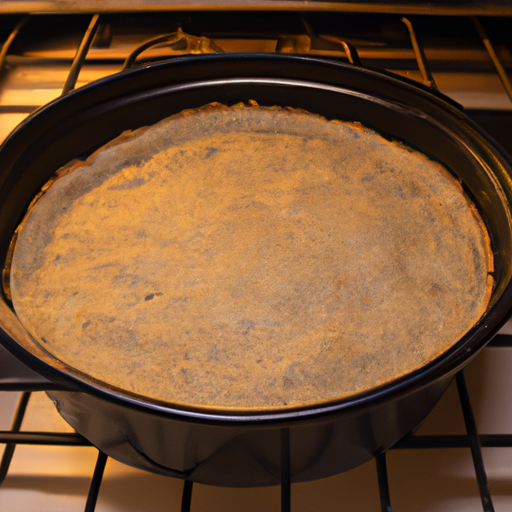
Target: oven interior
x,y
459,458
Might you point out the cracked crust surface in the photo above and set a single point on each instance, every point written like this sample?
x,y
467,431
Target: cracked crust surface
x,y
251,258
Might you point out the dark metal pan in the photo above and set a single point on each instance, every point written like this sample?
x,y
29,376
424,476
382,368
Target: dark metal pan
x,y
238,449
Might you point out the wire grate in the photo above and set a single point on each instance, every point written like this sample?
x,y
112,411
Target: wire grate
x,y
471,440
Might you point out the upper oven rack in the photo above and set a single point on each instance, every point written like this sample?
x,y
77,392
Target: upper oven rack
x,y
308,43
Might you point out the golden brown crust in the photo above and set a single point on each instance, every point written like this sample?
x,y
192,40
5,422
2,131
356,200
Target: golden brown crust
x,y
251,258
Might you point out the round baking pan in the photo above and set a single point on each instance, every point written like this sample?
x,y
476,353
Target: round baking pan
x,y
253,448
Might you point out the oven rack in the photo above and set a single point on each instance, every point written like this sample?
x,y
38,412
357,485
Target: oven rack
x,y
319,45
472,440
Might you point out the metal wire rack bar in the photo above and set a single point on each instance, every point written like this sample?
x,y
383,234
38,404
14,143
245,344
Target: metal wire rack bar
x,y
419,52
9,41
186,497
44,438
493,56
286,490
476,451
15,427
17,109
96,480
81,54
459,441
382,479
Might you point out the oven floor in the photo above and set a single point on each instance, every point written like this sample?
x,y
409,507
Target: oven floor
x,y
56,479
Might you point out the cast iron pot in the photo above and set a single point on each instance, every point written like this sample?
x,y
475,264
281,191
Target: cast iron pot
x,y
251,449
